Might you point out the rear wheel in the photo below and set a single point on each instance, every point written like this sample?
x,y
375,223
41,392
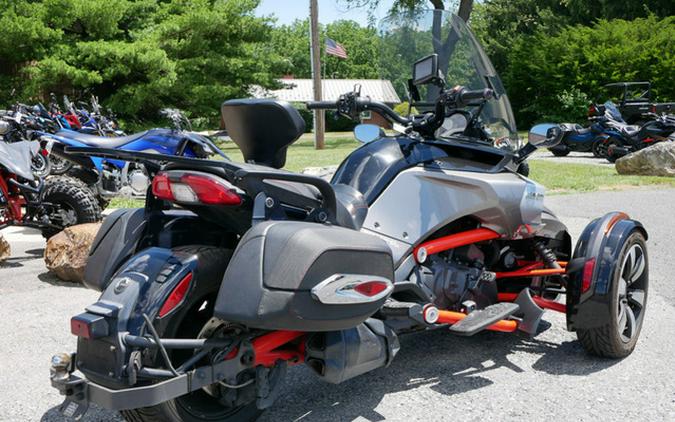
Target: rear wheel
x,y
208,404
69,202
59,165
618,338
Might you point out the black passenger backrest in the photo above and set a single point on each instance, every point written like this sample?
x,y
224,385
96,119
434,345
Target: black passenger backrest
x,y
262,129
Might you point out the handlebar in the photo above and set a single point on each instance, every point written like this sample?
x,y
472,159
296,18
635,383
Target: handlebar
x,y
321,105
351,104
466,96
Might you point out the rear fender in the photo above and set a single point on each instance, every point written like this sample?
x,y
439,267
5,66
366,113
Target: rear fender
x,y
126,231
140,287
602,239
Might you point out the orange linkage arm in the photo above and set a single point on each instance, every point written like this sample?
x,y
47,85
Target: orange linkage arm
x,y
452,241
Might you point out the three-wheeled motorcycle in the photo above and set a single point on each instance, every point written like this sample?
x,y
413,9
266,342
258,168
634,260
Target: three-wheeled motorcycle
x,y
233,272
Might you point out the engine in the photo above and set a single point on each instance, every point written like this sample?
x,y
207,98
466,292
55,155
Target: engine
x,y
457,279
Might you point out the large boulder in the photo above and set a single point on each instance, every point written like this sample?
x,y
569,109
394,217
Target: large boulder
x,y
67,252
657,160
5,250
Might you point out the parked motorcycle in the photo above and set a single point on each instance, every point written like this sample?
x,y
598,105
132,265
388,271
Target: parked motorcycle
x,y
234,272
109,177
634,138
48,205
20,124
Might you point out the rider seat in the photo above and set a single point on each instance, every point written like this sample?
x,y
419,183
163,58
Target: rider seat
x,y
100,141
262,129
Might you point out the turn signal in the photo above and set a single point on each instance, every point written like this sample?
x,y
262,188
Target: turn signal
x,y
194,188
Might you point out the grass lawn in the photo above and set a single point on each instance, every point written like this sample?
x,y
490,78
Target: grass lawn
x,y
557,177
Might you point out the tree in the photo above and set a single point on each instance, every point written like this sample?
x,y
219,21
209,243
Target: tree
x,y
464,7
136,55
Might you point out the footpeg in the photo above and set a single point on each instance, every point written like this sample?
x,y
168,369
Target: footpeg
x,y
529,311
483,318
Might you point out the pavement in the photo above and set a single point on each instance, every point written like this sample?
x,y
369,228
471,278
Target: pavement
x,y
436,376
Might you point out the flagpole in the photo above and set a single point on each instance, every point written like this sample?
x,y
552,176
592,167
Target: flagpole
x,y
315,53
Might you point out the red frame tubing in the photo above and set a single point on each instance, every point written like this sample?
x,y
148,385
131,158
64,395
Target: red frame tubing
x,y
456,240
13,203
540,301
267,352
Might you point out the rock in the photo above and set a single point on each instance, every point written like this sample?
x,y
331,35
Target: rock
x,y
657,160
322,172
5,250
67,252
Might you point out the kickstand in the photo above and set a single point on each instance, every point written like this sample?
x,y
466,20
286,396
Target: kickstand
x,y
530,312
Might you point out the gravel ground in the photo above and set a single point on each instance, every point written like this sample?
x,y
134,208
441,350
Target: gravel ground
x,y
435,376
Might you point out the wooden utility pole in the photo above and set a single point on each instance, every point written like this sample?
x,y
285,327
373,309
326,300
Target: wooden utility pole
x,y
315,51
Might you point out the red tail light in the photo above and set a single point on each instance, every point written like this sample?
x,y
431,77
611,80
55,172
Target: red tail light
x,y
371,288
592,110
194,188
587,276
177,295
44,152
89,326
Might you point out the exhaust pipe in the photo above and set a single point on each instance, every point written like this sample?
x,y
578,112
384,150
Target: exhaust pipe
x,y
337,356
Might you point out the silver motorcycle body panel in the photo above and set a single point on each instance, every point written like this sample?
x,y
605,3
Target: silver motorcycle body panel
x,y
420,201
16,157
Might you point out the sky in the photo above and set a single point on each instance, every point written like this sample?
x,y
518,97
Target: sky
x,y
286,11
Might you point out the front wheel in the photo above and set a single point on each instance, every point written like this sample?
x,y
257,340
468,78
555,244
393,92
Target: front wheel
x,y
68,202
560,151
618,337
599,149
40,164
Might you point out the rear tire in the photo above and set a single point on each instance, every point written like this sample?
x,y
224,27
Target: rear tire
x,y
197,406
630,286
74,202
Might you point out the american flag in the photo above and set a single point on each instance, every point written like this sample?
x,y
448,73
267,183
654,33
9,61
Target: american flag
x,y
334,48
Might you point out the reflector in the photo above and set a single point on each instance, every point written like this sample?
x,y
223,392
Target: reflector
x,y
176,296
371,288
587,277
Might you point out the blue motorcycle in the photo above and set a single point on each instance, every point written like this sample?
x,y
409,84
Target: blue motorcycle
x,y
590,139
109,178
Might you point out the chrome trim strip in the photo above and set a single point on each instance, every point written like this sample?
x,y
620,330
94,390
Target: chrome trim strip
x,y
338,289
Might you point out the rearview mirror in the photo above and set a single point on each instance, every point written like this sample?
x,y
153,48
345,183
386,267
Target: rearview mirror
x,y
545,135
367,133
425,70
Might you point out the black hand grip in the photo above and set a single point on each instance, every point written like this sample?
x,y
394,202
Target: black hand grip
x,y
321,105
467,96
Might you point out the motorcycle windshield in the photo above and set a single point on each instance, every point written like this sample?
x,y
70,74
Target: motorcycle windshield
x,y
408,37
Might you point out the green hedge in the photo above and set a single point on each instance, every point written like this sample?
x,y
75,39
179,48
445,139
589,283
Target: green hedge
x,y
553,77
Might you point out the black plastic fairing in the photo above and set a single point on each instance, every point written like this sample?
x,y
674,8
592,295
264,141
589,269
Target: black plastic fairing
x,y
372,167
592,308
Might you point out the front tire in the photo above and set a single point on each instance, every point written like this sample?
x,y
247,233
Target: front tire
x,y
191,323
70,203
618,338
560,151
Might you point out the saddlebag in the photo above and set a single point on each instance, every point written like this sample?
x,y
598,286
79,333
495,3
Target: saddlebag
x,y
271,282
